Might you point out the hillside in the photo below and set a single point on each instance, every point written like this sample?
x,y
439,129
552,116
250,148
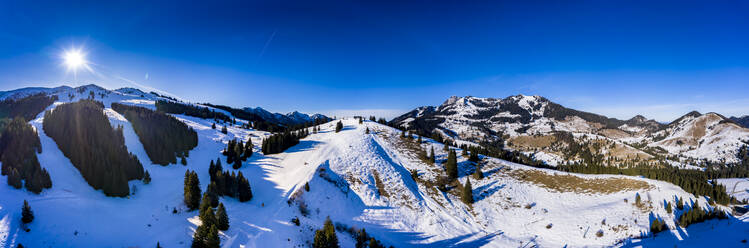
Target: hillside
x,y
556,134
359,180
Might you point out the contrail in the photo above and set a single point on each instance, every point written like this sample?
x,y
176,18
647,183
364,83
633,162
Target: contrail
x,y
267,43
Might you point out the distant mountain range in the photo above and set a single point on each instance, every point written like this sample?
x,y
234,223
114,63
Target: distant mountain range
x,y
535,125
292,118
743,121
288,119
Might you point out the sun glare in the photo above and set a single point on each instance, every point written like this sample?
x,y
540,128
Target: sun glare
x,y
74,59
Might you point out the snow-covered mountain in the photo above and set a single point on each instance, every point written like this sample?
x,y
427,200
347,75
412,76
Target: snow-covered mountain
x,y
533,123
291,118
364,176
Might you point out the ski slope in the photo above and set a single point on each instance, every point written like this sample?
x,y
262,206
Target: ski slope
x,y
511,209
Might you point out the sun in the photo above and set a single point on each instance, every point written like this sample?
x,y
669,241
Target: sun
x,y
74,59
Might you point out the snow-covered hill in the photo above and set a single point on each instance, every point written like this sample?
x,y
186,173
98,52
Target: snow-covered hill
x,y
532,123
359,180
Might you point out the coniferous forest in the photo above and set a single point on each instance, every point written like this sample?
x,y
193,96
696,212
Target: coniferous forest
x,y
27,108
163,136
19,144
228,184
84,135
279,142
190,110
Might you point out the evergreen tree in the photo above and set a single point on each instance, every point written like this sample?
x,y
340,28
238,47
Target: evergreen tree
x,y
306,186
27,215
222,219
467,196
432,156
478,174
326,237
679,203
367,131
223,130
244,189
212,239
213,125
361,238
192,190
212,192
638,201
200,236
146,177
452,165
668,208
207,216
338,126
182,160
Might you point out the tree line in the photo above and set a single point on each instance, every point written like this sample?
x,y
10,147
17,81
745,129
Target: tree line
x,y
190,110
27,108
85,136
163,136
279,142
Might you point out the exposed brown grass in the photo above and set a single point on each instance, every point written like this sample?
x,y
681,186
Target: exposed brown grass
x,y
571,183
541,141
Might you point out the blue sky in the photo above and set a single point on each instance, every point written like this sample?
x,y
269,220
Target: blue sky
x,y
617,58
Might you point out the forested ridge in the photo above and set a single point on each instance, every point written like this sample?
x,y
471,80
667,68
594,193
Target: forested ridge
x,y
27,108
85,136
190,110
163,136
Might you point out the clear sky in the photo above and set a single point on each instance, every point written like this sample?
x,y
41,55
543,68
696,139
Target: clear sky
x,y
660,59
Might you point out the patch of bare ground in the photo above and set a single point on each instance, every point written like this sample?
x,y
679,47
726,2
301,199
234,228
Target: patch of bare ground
x,y
532,141
625,152
614,133
570,183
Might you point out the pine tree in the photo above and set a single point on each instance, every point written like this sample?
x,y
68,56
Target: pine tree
x,y
452,165
467,192
432,156
199,238
679,204
638,201
306,186
212,239
224,130
182,160
212,192
326,237
222,219
158,245
207,216
668,208
213,126
146,178
361,238
27,215
478,174
192,190
367,131
338,126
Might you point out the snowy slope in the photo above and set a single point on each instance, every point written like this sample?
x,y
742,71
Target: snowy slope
x,y
514,203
